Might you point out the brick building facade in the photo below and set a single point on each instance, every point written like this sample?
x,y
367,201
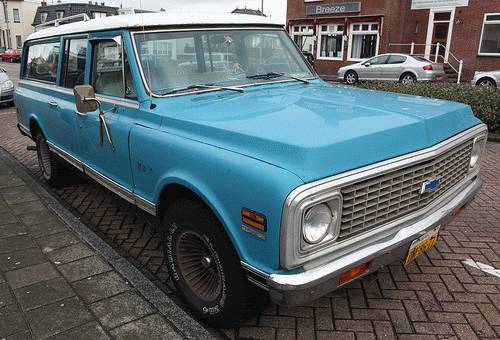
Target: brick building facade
x,y
341,32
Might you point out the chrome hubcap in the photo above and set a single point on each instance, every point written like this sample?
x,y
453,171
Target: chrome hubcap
x,y
44,158
198,267
407,79
351,78
486,83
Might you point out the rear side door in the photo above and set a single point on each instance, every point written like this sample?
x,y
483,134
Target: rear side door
x,y
44,98
110,75
393,69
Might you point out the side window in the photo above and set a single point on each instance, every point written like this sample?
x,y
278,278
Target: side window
x,y
396,59
378,60
109,77
42,61
75,52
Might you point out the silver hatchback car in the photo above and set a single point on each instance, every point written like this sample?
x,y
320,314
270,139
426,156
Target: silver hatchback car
x,y
490,79
392,67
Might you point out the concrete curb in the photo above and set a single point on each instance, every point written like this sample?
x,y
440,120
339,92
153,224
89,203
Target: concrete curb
x,y
493,137
184,323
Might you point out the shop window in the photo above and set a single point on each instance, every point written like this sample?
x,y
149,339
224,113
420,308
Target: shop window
x,y
490,36
363,41
302,35
331,43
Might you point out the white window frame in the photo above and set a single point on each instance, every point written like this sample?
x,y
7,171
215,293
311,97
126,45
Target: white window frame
x,y
19,42
59,15
329,32
43,17
352,33
14,11
99,14
306,33
496,22
430,30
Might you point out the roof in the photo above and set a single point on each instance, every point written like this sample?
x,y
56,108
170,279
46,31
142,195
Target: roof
x,y
152,20
71,9
248,11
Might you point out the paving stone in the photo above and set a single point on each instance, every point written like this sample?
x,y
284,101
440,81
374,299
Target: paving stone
x,y
37,217
21,258
84,268
26,335
43,293
46,228
56,241
152,327
91,330
70,253
22,208
57,317
7,299
11,321
18,194
10,180
256,333
100,286
14,229
120,309
10,244
29,275
7,218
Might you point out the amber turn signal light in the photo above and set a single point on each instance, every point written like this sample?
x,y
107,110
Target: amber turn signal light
x,y
254,219
354,272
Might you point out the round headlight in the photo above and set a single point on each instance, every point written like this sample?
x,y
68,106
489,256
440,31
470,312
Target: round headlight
x,y
317,223
476,153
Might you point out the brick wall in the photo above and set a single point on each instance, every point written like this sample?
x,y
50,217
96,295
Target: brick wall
x,y
403,25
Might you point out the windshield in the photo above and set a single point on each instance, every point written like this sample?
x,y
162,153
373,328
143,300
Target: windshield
x,y
173,60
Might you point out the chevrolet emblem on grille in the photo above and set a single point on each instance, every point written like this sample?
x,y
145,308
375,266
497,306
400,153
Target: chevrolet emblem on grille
x,y
430,185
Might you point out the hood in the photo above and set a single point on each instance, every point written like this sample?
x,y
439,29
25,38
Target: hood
x,y
315,130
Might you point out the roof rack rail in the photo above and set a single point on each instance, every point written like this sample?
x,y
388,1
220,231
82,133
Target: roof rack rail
x,y
57,22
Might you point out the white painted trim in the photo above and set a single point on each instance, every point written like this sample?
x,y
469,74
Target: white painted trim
x,y
318,47
481,38
351,34
430,30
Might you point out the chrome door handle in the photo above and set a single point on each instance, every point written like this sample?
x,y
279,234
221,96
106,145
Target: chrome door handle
x,y
53,104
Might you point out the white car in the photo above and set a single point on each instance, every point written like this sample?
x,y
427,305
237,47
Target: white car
x,y
491,79
392,67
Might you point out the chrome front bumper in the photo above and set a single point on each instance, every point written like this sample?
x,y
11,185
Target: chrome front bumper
x,y
297,289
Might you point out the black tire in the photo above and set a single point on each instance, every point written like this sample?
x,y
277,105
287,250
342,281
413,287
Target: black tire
x,y
351,77
205,267
407,78
53,170
486,82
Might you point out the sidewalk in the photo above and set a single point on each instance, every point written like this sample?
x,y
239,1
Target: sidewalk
x,y
55,285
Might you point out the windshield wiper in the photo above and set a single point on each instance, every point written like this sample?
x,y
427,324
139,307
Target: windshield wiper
x,y
204,86
270,75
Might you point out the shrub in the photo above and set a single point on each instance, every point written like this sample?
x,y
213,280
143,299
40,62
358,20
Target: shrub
x,y
485,102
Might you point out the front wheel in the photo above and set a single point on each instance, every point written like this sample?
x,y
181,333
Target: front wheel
x,y
204,266
351,77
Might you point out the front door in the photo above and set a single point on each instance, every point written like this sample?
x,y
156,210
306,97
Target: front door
x,y
112,80
440,27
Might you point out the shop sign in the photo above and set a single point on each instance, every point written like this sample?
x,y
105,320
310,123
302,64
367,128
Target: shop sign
x,y
347,7
427,4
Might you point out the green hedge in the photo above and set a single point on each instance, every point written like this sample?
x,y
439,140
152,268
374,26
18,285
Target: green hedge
x,y
485,102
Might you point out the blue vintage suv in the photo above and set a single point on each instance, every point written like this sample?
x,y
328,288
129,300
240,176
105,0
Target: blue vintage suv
x,y
266,180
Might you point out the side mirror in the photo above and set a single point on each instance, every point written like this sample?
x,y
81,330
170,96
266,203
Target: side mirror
x,y
85,98
367,64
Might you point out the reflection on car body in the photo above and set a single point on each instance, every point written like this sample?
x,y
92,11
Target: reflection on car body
x,y
266,180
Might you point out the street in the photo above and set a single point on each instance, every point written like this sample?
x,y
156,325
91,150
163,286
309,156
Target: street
x,y
437,297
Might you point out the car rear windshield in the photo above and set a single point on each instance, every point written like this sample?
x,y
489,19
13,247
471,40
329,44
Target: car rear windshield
x,y
421,59
172,60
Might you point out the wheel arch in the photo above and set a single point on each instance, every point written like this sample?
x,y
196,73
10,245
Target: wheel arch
x,y
34,126
487,77
413,73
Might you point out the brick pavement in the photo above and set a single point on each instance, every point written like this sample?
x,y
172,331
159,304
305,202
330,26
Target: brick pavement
x,y
437,297
54,286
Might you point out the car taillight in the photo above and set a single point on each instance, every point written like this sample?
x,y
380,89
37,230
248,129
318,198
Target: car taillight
x,y
428,67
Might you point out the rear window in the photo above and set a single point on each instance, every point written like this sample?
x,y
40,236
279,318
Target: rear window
x,y
42,61
421,59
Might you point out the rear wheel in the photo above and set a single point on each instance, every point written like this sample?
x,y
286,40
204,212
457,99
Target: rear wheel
x,y
53,171
486,82
204,266
351,77
408,78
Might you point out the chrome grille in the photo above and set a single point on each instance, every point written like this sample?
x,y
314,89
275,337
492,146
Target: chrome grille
x,y
378,200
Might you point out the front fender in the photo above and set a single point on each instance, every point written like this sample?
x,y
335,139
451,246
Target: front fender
x,y
225,180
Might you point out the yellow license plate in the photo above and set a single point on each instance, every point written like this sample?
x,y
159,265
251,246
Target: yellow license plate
x,y
420,245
